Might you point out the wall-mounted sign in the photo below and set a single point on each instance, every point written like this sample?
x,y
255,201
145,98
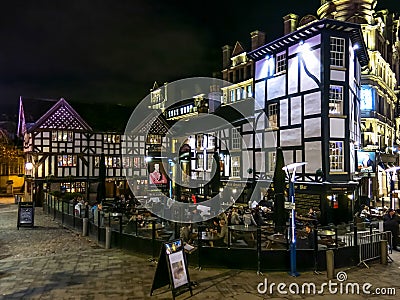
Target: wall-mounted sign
x,y
366,97
366,161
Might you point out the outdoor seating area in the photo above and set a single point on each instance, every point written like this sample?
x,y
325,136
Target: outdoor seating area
x,y
138,225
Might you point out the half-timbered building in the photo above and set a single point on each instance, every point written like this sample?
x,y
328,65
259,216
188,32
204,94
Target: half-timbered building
x,y
308,83
63,150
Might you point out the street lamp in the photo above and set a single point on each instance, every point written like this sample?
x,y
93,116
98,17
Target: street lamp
x,y
29,172
291,168
391,171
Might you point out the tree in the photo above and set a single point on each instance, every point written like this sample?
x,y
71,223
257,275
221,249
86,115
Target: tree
x,y
279,182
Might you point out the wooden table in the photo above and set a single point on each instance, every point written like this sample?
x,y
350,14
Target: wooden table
x,y
277,239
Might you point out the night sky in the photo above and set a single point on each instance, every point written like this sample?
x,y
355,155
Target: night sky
x,y
114,50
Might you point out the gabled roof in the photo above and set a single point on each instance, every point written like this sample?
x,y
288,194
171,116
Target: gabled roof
x,y
154,123
237,50
98,117
310,30
61,116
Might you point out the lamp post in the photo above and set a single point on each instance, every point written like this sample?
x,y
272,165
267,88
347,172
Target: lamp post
x,y
391,171
292,178
29,173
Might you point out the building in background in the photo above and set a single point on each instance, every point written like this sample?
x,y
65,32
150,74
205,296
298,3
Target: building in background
x,y
63,151
380,134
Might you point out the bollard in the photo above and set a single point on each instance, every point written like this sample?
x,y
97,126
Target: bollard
x,y
85,227
384,254
330,264
108,237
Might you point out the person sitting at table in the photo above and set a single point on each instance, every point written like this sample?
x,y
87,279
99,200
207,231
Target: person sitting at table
x,y
311,214
365,213
222,240
235,218
185,233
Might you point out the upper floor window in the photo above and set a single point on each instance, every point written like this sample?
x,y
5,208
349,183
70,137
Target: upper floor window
x,y
249,91
281,62
235,166
66,160
336,99
112,138
337,52
232,95
273,115
62,136
236,139
336,162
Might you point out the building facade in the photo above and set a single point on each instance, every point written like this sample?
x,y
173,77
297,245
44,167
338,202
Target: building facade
x,y
379,92
62,150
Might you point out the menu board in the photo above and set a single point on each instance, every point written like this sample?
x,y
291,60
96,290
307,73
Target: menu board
x,y
172,269
26,211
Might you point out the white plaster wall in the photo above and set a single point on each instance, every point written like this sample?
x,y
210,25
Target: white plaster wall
x,y
299,156
312,103
338,75
261,69
247,162
313,156
311,42
312,127
261,120
288,157
276,87
259,95
336,127
284,112
312,61
290,137
270,139
296,110
293,76
260,161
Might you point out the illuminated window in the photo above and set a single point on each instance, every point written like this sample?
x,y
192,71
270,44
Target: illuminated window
x,y
66,160
281,62
62,136
336,100
73,187
112,138
232,96
235,166
238,93
249,91
273,115
200,161
337,52
336,162
236,139
271,161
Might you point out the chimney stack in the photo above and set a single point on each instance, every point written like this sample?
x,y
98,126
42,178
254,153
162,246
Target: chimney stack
x,y
257,39
290,23
226,56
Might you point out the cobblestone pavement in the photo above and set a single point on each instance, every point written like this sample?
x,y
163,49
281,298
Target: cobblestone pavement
x,y
52,262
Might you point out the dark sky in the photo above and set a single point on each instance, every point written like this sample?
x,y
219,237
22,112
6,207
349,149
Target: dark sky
x,y
114,50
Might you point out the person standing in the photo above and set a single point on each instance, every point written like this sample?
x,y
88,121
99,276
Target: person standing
x,y
391,223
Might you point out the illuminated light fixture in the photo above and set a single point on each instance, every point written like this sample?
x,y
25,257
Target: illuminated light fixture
x,y
234,191
304,47
350,197
329,197
356,47
29,166
267,57
147,159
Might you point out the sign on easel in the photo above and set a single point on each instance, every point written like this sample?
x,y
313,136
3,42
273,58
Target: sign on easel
x,y
172,269
26,213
